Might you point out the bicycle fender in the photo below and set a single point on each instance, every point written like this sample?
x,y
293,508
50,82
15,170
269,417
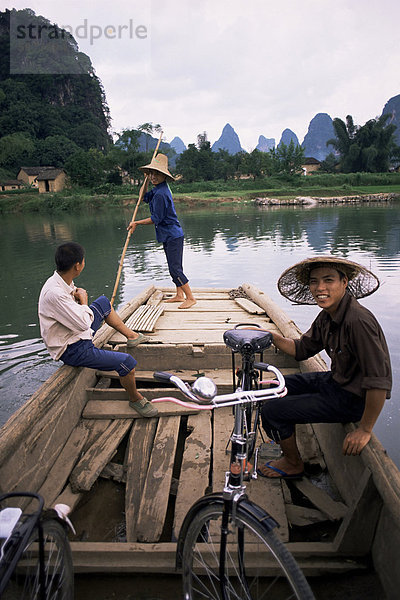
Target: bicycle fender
x,y
254,511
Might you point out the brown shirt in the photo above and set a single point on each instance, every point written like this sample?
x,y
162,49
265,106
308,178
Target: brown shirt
x,y
355,342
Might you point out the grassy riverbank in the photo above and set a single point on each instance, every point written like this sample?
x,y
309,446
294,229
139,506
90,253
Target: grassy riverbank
x,y
205,192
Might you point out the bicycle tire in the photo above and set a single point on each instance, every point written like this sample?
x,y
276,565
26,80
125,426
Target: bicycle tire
x,y
59,577
258,565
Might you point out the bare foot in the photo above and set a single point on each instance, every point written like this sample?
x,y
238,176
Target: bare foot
x,y
187,303
175,299
287,468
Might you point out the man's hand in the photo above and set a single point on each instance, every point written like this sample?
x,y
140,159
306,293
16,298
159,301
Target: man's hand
x,y
132,226
355,441
81,296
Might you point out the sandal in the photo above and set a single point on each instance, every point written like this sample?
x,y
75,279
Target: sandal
x,y
141,339
144,408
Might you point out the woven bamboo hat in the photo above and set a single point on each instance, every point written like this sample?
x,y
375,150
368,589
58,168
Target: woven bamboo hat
x,y
159,163
294,282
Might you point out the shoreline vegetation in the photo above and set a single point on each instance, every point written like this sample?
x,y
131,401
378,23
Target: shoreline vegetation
x,y
278,191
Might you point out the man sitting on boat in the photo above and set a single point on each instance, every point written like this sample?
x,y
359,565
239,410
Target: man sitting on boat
x,y
67,326
360,379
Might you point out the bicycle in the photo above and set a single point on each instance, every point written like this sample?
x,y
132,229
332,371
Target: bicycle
x,y
227,546
35,556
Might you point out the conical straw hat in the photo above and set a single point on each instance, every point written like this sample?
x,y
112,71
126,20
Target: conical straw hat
x,y
293,284
159,163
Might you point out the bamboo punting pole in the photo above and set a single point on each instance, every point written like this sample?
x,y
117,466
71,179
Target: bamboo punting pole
x,y
141,194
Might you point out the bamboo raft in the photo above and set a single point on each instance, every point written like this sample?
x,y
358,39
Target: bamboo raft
x,y
130,481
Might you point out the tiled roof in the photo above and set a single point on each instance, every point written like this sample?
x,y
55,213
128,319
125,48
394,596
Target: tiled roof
x,y
49,174
35,170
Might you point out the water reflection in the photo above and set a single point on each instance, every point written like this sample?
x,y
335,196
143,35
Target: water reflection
x,y
225,246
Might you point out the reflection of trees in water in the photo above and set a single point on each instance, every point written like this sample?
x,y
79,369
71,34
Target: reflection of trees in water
x,y
325,228
372,229
27,244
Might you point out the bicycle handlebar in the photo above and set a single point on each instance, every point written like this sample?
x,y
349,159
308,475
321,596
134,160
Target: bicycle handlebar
x,y
204,390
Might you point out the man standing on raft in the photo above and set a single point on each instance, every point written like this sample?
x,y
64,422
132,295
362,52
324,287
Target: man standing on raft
x,y
168,229
360,379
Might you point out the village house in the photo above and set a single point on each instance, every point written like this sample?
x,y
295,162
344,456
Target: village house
x,y
310,165
29,174
46,179
11,184
51,180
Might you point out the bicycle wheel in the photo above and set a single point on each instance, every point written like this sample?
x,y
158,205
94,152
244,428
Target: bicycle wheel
x,y
58,570
256,563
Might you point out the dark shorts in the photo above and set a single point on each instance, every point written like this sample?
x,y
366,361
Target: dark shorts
x,y
311,398
84,353
174,252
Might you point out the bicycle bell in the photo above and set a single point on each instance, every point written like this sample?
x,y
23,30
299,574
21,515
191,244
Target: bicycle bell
x,y
205,388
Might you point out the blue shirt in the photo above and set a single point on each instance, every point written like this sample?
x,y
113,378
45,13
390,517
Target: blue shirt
x,y
163,213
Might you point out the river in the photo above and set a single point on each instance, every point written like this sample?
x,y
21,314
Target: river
x,y
226,245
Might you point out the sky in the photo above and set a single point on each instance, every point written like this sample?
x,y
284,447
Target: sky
x,y
260,65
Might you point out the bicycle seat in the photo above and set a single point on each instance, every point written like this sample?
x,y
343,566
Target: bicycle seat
x,y
247,339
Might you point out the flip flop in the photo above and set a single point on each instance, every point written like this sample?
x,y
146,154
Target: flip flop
x,y
283,474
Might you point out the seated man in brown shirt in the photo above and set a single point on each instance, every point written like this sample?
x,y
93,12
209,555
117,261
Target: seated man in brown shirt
x,y
360,380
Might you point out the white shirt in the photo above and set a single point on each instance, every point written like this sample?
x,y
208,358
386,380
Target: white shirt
x,y
62,320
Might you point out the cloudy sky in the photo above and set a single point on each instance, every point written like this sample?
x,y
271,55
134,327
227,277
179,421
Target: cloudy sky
x,y
261,65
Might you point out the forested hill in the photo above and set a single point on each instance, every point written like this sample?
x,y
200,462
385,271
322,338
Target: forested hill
x,y
44,118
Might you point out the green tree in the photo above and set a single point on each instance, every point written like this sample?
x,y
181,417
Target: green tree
x,y
55,150
86,168
225,164
187,164
16,150
252,163
288,160
329,165
205,162
368,148
149,129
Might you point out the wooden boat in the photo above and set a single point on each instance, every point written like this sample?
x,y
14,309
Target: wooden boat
x,y
130,480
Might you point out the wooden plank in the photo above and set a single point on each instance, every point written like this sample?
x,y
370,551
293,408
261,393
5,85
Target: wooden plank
x,y
308,445
61,469
137,462
155,298
98,455
144,318
334,510
69,498
114,471
220,321
120,409
356,533
96,428
211,305
105,332
268,494
250,306
194,475
115,394
117,557
222,429
155,496
221,377
385,553
43,438
303,516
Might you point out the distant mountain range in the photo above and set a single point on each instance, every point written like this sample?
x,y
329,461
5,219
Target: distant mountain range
x,y
320,131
